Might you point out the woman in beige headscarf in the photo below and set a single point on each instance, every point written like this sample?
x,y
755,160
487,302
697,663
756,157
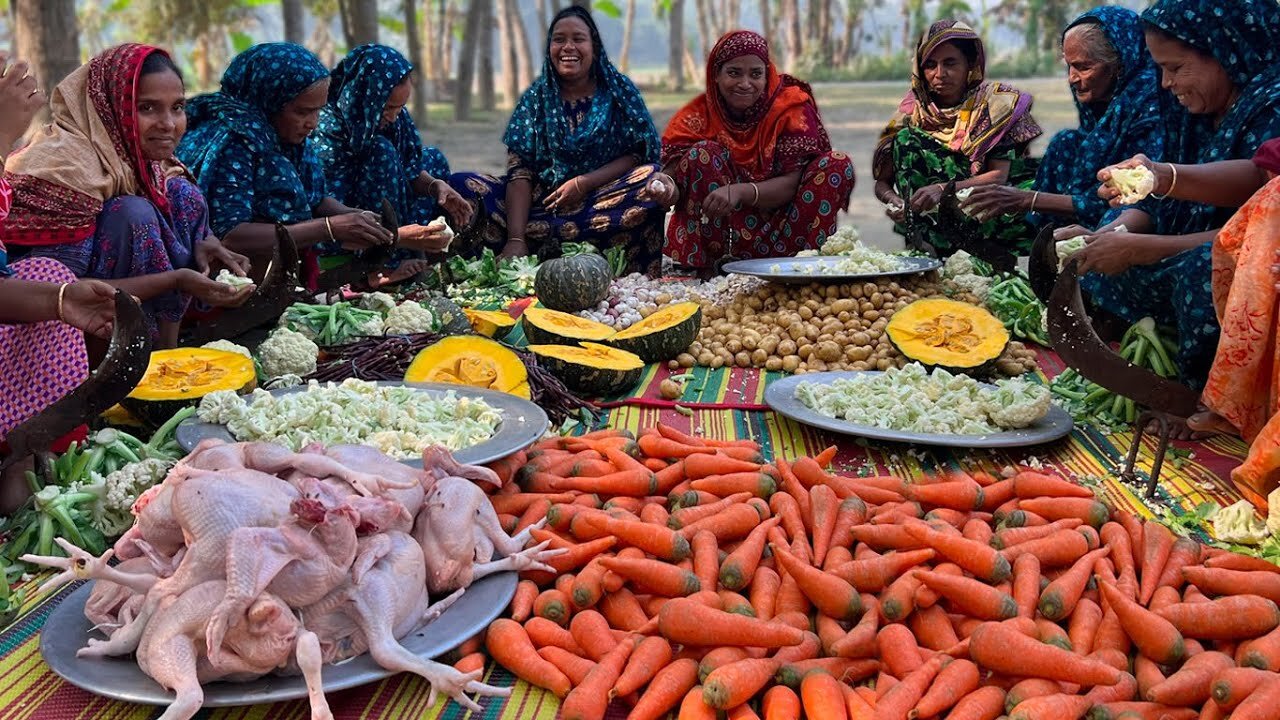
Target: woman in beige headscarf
x,y
98,189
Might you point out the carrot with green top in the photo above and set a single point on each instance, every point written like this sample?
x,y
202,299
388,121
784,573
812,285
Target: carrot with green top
x,y
689,515
843,669
1231,686
553,605
823,508
655,576
1058,549
656,540
1029,484
875,574
509,644
851,513
736,521
588,586
690,623
718,657
757,483
739,566
1191,684
1262,652
1024,690
965,495
1155,636
953,683
734,684
972,596
1001,648
1089,510
1235,617
1061,595
981,560
829,593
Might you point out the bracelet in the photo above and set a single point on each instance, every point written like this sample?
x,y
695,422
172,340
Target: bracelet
x,y
755,202
577,184
519,240
329,226
62,290
1173,184
1034,196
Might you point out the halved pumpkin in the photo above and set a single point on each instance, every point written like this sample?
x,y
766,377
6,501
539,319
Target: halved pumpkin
x,y
489,323
591,368
470,360
948,334
179,377
552,327
663,335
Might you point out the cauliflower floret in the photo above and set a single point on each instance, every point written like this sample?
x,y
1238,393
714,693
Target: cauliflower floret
x,y
1134,184
1273,512
1067,248
228,346
286,352
958,264
372,326
962,195
113,514
1238,524
443,223
410,317
226,277
1017,404
380,301
220,407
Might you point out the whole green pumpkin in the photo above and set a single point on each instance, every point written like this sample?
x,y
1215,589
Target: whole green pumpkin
x,y
570,284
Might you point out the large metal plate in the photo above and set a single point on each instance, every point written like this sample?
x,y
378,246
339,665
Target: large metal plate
x,y
780,395
791,270
522,424
66,630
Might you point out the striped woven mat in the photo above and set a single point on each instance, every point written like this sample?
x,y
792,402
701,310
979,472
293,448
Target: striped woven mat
x,y
724,404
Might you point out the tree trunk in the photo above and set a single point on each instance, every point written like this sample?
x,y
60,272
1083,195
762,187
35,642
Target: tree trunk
x,y
714,20
704,25
676,46
544,14
359,21
451,14
430,67
467,61
488,80
789,16
826,32
507,46
418,78
524,50
732,16
628,26
46,35
766,19
852,19
291,10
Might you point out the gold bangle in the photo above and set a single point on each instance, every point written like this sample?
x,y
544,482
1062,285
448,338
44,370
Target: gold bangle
x,y
329,226
755,202
62,290
577,184
1172,184
1034,196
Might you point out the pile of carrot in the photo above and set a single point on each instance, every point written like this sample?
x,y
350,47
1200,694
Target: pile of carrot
x,y
702,581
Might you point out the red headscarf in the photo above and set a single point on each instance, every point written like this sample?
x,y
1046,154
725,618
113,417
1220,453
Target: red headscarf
x,y
1268,156
89,153
777,134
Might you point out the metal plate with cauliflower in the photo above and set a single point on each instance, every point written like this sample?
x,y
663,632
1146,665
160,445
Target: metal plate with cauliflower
x,y
66,630
522,424
780,395
803,270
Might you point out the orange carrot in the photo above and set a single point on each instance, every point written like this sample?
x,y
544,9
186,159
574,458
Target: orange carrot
x,y
654,514
780,703
856,705
899,599
974,597
518,503
690,623
829,593
734,603
822,696
1083,626
1115,536
701,466
1184,552
590,699
553,605
706,558
658,446
1051,633
1157,543
622,610
1024,690
509,644
1262,652
898,650
1061,548
985,703
650,656
736,683
718,657
1155,636
656,540
1230,687
1261,703
1001,648
1236,561
654,575
1217,581
1060,597
784,506
933,628
1009,537
592,633
471,663
764,592
1089,510
543,633
875,574
734,522
823,507
1026,585
981,560
1123,691
1028,484
693,708
1236,617
578,555
791,485
742,712
1190,685
953,683
689,515
962,495
739,566
850,513
899,700
978,530
588,585
1052,707
575,668
757,483
522,601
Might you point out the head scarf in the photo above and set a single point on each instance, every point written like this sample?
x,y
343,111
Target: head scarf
x,y
350,129
1268,156
1128,124
986,114
1244,37
89,153
234,126
777,134
617,123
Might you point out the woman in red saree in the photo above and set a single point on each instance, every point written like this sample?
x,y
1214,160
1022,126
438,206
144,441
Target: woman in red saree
x,y
748,165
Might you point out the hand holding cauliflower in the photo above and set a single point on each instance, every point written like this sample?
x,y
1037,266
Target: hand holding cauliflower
x,y
1134,184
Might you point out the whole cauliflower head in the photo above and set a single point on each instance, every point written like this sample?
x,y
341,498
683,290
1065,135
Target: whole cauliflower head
x,y
380,301
1134,184
1017,404
228,346
409,317
286,352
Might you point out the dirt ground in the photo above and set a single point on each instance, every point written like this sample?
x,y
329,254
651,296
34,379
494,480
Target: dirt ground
x,y
854,114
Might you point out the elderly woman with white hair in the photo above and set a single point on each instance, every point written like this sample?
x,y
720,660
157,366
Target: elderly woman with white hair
x,y
1116,86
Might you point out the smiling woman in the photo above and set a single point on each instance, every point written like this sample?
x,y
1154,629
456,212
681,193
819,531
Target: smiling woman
x,y
99,189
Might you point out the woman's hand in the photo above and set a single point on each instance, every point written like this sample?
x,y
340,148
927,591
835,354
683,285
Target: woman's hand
x,y
359,230
432,237
1069,232
989,201
90,306
721,202
1112,253
453,203
661,189
211,291
1162,171
894,207
211,251
926,198
20,100
568,195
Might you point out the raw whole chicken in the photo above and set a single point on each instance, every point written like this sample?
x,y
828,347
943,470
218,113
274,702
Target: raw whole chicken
x,y
251,559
